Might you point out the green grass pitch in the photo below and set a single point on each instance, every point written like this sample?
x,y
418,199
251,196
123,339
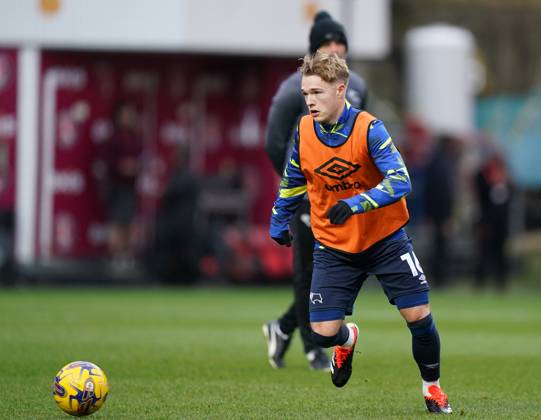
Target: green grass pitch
x,y
200,353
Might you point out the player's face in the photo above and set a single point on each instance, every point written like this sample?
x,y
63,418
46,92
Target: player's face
x,y
337,48
325,100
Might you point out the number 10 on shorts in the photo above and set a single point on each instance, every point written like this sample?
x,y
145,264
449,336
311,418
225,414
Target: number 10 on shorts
x,y
413,263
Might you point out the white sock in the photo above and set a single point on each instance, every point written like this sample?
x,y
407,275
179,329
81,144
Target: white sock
x,y
427,385
351,337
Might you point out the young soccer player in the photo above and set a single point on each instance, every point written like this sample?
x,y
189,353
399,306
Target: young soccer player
x,y
287,107
356,182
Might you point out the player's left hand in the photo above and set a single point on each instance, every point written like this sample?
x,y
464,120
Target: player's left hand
x,y
339,213
284,239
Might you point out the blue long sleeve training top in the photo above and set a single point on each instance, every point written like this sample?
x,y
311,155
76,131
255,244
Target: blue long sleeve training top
x,y
394,185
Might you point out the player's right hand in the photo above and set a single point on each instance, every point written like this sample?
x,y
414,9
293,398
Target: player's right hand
x,y
339,213
284,239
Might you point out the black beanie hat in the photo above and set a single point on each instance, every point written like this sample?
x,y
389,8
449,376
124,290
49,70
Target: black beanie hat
x,y
326,29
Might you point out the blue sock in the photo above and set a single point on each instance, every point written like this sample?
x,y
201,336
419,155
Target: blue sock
x,y
426,347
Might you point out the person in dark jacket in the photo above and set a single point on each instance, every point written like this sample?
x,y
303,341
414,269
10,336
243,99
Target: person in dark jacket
x,y
440,198
124,150
175,254
494,188
288,105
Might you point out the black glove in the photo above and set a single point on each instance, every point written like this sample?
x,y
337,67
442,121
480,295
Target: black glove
x,y
285,239
339,213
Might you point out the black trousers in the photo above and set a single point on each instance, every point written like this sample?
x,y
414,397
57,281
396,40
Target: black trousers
x,y
439,261
297,316
492,257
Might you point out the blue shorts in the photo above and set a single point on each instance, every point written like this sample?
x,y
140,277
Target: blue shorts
x,y
338,277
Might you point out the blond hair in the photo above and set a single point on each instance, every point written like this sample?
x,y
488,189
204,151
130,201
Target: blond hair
x,y
329,67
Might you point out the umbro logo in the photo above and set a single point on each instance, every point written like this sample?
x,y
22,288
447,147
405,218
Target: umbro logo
x,y
337,168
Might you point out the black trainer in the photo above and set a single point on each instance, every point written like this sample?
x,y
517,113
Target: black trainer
x,y
342,359
277,343
318,360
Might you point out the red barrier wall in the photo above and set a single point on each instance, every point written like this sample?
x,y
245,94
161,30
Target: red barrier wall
x,y
216,105
8,128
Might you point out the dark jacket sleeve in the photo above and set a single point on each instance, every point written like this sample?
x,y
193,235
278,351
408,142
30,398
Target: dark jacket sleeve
x,y
357,93
286,108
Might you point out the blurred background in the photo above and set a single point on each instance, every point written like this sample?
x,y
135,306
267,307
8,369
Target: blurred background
x,y
132,135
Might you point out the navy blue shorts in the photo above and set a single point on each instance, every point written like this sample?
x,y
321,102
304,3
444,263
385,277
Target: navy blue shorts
x,y
338,277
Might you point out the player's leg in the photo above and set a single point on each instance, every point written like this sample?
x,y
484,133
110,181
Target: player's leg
x,y
405,284
335,285
425,345
278,332
278,335
303,248
343,337
425,338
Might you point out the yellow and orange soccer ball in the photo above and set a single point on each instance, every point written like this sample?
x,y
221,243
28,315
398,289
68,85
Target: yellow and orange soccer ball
x,y
80,388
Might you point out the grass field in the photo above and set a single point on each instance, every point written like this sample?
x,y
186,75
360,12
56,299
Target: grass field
x,y
200,353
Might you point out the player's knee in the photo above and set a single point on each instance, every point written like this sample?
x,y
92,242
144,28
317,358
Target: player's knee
x,y
326,328
326,334
413,307
323,340
415,314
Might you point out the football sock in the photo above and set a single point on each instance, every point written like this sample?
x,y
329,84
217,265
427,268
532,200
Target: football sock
x,y
426,347
350,339
340,339
426,385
